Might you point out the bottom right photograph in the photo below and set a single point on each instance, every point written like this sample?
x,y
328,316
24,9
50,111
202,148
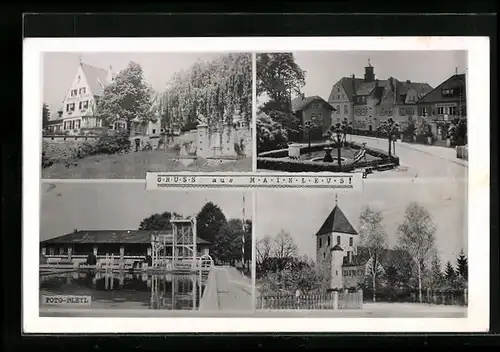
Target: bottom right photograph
x,y
398,248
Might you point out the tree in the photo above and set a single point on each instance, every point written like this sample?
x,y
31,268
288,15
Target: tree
x,y
279,77
436,273
374,239
45,115
248,242
158,222
271,134
263,251
462,265
416,236
215,89
283,246
127,97
228,241
210,220
449,273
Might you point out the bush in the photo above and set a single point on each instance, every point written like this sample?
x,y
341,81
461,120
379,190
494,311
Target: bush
x,y
112,143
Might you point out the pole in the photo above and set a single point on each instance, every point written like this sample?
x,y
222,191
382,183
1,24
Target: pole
x,y
243,235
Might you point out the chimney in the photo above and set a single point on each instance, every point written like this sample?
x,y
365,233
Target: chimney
x,y
59,113
408,81
75,230
353,81
456,70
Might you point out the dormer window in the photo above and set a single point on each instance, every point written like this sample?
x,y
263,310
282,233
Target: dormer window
x,y
74,92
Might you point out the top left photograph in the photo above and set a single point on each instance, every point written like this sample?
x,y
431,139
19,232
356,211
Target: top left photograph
x,y
121,115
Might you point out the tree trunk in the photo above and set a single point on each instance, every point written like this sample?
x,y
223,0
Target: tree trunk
x,y
419,284
373,283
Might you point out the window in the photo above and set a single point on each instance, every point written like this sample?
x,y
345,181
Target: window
x,y
74,93
83,90
453,110
324,255
336,273
78,79
402,112
77,123
346,109
338,89
338,109
351,241
338,240
328,241
343,96
338,97
424,111
320,242
154,131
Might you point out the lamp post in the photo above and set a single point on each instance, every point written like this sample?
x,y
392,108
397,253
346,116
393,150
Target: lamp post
x,y
308,125
389,127
337,136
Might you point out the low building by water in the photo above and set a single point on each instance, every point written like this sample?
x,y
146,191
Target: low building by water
x,y
124,246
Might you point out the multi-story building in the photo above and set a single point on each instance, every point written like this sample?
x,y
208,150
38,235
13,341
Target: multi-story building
x,y
444,104
80,106
367,102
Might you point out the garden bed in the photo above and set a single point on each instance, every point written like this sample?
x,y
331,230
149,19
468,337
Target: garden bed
x,y
278,159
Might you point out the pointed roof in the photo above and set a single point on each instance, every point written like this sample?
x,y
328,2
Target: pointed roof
x,y
97,78
336,222
455,81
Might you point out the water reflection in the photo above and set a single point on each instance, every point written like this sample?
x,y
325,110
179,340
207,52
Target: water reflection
x,y
128,290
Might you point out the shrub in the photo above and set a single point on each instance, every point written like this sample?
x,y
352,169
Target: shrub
x,y
177,147
112,143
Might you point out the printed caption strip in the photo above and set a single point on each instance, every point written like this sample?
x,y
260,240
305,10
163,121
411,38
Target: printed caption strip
x,y
348,182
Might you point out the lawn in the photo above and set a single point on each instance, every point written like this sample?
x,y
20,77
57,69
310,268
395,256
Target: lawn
x,y
135,165
347,153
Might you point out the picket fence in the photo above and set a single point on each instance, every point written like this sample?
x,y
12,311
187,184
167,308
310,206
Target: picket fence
x,y
327,300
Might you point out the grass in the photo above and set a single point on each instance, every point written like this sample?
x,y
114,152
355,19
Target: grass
x,y
135,165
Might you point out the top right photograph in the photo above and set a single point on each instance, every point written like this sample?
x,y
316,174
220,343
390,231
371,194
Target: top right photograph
x,y
382,113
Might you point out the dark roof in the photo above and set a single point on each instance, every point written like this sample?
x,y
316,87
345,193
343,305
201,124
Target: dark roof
x,y
301,103
387,256
336,222
347,84
455,81
111,236
337,248
97,78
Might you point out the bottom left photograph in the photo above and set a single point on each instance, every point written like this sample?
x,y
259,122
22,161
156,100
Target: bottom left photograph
x,y
117,250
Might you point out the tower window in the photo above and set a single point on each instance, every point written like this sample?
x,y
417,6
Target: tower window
x,y
324,255
328,241
351,241
338,240
320,243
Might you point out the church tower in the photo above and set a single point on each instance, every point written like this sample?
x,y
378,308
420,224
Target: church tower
x,y
369,74
336,244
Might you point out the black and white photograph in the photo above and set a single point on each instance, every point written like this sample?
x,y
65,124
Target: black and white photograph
x,y
116,250
383,113
398,249
120,115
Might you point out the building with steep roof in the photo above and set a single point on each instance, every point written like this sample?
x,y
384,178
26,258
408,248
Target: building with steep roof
x,y
340,255
366,102
315,109
79,107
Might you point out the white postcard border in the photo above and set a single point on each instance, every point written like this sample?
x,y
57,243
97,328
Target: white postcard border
x,y
478,107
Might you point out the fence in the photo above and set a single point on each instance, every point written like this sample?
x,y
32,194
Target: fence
x,y
455,297
328,300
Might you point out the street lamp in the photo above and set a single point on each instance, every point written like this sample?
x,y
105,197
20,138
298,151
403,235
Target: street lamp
x,y
308,126
390,127
336,134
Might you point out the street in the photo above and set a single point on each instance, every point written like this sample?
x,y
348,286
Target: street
x,y
416,160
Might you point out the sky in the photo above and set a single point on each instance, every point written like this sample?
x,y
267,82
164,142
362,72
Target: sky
x,y
302,213
122,206
325,68
59,69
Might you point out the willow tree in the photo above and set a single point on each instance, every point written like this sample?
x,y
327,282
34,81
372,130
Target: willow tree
x,y
216,89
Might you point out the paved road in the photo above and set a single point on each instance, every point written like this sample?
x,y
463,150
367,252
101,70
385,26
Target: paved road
x,y
419,161
234,290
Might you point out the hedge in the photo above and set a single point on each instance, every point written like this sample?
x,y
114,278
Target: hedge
x,y
272,160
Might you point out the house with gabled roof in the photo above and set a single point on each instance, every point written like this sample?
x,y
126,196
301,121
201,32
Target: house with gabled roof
x,y
314,109
79,107
366,102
